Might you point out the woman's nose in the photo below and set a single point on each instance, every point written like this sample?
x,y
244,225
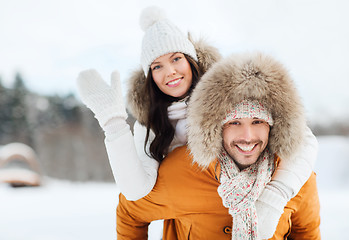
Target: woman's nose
x,y
171,70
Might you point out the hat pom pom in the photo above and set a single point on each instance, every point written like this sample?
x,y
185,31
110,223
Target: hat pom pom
x,y
149,16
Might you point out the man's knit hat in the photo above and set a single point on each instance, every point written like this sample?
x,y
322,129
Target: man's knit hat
x,y
161,37
249,109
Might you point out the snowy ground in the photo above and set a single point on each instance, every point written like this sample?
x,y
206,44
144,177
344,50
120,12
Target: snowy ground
x,y
63,210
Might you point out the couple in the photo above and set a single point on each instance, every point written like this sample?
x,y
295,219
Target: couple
x,y
229,135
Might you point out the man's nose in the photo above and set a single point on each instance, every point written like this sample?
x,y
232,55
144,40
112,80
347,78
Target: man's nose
x,y
247,133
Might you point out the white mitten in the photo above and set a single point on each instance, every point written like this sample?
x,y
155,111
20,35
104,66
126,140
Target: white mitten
x,y
105,101
269,206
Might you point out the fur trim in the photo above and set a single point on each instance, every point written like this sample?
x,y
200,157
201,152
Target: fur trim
x,y
138,101
247,76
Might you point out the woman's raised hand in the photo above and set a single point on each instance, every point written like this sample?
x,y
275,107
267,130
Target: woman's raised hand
x,y
105,101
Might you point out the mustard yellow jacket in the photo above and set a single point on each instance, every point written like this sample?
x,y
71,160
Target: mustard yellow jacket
x,y
186,197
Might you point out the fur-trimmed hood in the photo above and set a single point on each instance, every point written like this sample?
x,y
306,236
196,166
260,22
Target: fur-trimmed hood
x,y
229,81
138,101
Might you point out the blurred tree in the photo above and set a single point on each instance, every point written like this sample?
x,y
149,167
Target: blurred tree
x,y
17,112
65,135
5,113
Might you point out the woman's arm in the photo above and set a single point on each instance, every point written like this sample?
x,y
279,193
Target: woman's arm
x,y
288,179
133,170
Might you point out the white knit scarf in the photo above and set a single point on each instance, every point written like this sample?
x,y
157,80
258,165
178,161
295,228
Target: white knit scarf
x,y
240,189
177,113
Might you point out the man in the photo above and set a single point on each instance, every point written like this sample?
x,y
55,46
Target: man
x,y
243,114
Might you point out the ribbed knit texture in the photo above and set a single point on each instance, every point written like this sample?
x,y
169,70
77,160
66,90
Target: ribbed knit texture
x,y
161,37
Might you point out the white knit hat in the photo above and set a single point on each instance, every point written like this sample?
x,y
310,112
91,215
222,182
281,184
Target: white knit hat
x,y
249,109
161,37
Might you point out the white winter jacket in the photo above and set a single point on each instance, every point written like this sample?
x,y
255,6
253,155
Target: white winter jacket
x,y
134,171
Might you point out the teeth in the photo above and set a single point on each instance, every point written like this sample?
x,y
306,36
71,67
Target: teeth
x,y
174,82
246,148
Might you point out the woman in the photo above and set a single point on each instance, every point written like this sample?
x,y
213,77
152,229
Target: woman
x,y
158,105
171,66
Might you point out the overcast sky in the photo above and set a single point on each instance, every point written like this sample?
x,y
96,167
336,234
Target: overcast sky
x,y
50,41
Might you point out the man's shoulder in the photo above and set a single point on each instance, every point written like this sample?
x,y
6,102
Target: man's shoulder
x,y
179,163
177,160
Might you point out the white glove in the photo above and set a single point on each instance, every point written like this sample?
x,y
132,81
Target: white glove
x,y
291,174
105,101
269,208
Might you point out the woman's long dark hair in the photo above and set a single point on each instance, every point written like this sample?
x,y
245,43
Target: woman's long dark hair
x,y
158,120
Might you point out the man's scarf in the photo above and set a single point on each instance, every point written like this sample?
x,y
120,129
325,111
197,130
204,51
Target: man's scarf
x,y
240,189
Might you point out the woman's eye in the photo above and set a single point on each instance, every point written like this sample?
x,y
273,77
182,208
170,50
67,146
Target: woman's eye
x,y
176,59
156,67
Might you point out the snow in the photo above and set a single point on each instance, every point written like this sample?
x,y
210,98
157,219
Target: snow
x,y
333,183
58,210
62,210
